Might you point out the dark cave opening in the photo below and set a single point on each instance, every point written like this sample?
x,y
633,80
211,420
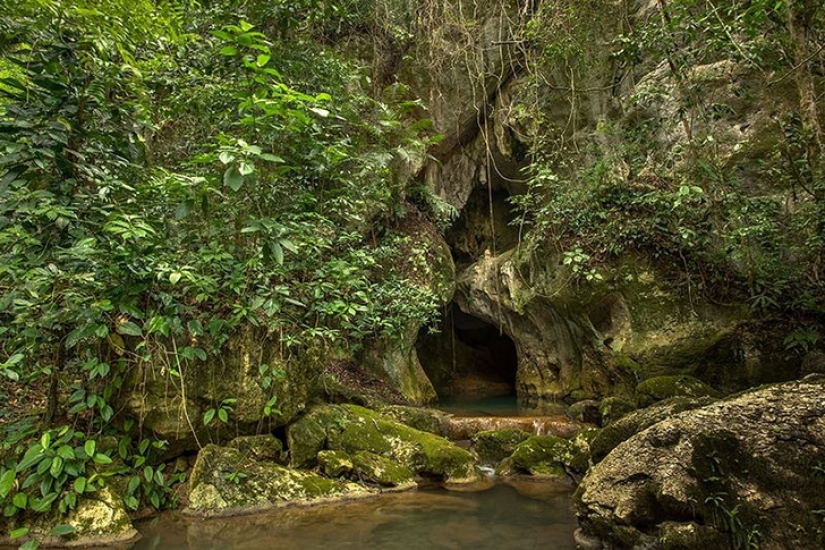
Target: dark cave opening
x,y
466,357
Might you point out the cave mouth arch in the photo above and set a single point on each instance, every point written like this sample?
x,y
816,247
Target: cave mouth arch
x,y
467,357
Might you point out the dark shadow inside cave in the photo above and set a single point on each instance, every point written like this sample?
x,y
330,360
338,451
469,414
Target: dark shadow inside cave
x,y
467,357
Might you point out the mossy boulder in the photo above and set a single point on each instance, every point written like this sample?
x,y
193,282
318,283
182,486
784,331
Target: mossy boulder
x,y
224,481
421,452
626,427
546,456
494,446
374,468
663,387
100,519
260,447
352,429
586,410
335,463
420,418
613,408
678,483
308,435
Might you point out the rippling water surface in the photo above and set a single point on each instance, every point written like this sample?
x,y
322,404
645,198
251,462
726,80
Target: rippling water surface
x,y
512,516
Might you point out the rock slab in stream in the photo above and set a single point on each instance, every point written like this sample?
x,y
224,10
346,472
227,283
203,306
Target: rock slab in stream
x,y
750,469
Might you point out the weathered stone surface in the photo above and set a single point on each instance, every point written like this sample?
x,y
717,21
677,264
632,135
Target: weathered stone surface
x,y
226,482
612,409
465,427
494,446
259,447
100,519
423,453
746,468
350,429
156,397
664,387
374,468
546,456
623,429
426,420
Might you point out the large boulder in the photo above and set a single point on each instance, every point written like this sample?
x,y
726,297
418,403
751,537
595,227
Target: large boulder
x,y
734,473
352,429
626,427
225,481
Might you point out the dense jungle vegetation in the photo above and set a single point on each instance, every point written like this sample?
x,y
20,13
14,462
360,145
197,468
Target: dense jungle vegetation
x,y
174,170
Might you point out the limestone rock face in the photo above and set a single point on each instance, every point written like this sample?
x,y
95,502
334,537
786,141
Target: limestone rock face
x,y
172,407
395,360
226,482
739,470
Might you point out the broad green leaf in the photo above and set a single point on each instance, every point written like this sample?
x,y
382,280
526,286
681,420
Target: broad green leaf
x,y
232,178
263,59
17,533
226,157
208,416
46,440
174,277
89,447
246,168
130,329
278,252
6,483
101,458
80,485
20,500
223,415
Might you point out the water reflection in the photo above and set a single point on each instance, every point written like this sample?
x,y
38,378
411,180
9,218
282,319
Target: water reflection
x,y
514,516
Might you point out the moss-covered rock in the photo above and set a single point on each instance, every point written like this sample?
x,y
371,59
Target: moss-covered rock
x,y
307,436
100,519
420,418
225,482
374,468
158,401
663,387
547,456
623,429
494,446
260,447
613,408
734,470
421,452
335,463
586,410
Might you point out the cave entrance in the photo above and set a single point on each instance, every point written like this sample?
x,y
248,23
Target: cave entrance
x,y
468,358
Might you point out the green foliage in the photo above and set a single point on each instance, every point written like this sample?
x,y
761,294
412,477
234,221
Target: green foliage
x,y
163,182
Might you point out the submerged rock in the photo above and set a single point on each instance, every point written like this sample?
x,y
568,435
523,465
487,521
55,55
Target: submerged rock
x,y
738,472
664,387
226,482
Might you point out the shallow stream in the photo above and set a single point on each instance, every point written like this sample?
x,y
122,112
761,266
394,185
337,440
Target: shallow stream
x,y
508,516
